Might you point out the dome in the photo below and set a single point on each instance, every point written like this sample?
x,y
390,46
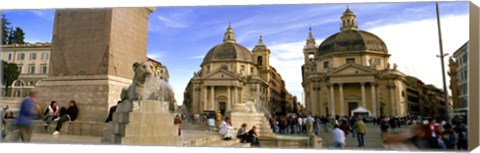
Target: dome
x,y
228,51
352,40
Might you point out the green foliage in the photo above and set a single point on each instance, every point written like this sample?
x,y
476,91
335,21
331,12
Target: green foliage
x,y
10,74
18,36
10,36
5,30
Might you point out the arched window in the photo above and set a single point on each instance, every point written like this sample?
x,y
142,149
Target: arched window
x,y
260,60
18,83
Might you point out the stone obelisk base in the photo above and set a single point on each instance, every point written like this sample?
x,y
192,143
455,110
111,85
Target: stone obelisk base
x,y
151,125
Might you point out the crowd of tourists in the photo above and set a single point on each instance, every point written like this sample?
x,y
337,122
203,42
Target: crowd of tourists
x,y
428,135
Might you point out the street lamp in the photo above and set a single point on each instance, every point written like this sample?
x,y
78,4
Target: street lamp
x,y
447,117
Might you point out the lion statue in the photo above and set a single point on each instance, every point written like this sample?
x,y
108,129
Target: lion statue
x,y
135,90
248,106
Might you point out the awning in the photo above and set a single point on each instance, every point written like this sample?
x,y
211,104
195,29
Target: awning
x,y
360,109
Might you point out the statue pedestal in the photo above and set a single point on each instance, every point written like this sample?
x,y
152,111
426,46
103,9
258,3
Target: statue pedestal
x,y
252,119
151,125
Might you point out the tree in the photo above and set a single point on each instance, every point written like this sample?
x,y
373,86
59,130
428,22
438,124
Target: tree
x,y
5,30
10,36
18,36
10,74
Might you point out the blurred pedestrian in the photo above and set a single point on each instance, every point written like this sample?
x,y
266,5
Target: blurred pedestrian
x,y
210,123
25,116
449,137
361,130
338,137
462,133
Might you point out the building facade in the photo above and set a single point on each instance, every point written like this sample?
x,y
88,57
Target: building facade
x,y
230,74
32,60
350,69
459,77
160,70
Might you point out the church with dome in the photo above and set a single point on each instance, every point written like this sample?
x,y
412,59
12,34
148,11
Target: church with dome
x,y
350,71
230,73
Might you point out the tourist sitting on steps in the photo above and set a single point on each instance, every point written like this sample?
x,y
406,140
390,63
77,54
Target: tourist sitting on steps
x,y
51,113
69,114
242,133
226,129
253,136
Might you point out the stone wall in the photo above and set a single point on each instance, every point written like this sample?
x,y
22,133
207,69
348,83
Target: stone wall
x,y
93,94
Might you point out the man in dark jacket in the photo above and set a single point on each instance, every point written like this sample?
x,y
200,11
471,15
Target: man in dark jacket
x,y
69,114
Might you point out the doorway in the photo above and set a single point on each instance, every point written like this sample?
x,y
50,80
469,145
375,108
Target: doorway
x,y
222,107
351,107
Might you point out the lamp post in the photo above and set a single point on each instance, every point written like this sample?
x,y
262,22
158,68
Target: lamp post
x,y
442,55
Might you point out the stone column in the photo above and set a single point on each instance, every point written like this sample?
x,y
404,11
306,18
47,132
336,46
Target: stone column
x,y
342,109
392,100
364,102
229,104
235,95
212,100
205,98
332,100
374,99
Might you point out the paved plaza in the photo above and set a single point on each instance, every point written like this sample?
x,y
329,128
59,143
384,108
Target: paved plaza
x,y
373,138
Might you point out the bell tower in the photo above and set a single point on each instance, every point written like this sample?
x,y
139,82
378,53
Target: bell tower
x,y
348,20
261,55
309,51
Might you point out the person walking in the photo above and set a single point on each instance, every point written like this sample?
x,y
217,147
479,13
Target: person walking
x,y
352,122
345,127
462,133
338,137
361,130
383,127
210,123
25,116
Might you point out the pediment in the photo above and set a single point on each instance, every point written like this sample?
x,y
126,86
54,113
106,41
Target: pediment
x,y
221,74
352,69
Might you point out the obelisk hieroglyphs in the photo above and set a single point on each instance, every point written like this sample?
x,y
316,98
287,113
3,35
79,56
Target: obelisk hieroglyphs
x,y
92,54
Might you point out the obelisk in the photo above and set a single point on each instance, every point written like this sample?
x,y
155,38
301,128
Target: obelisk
x,y
92,54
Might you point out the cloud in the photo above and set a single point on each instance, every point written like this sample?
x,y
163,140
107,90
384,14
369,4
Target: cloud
x,y
44,14
414,45
172,23
158,55
198,57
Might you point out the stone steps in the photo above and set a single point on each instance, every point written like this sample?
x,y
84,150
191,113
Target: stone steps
x,y
216,141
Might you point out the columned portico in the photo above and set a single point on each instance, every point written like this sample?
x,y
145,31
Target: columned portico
x,y
212,97
374,99
332,99
229,102
342,109
364,101
205,98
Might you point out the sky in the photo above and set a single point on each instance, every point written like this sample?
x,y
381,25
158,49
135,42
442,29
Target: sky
x,y
179,37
